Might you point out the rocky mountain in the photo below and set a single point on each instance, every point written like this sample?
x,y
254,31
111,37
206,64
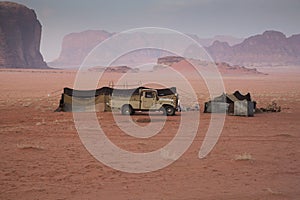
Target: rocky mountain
x,y
20,35
205,42
269,48
76,46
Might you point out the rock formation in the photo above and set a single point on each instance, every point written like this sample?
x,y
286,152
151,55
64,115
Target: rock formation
x,y
205,42
76,46
169,60
121,69
116,69
180,63
269,48
20,35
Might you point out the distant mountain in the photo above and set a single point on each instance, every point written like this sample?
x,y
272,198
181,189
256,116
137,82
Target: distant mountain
x,y
222,38
269,48
76,46
20,35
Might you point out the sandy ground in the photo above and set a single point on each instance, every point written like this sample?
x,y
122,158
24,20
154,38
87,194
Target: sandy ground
x,y
42,156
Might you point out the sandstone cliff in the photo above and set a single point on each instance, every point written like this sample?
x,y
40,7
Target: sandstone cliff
x,y
76,46
269,48
20,34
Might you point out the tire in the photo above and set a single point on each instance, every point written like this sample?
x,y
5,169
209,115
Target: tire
x,y
169,110
127,110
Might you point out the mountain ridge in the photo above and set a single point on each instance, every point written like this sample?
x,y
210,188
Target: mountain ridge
x,y
270,48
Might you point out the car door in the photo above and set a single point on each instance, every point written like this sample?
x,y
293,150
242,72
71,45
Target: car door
x,y
148,99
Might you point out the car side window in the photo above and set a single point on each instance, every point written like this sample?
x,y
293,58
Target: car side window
x,y
149,95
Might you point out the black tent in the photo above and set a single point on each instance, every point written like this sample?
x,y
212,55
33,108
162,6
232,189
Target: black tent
x,y
226,103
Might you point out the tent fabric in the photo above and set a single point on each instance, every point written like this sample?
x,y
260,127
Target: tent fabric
x,y
229,98
244,108
241,97
214,105
78,104
88,93
166,91
115,92
221,98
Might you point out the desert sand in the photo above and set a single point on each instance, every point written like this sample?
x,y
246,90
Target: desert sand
x,y
42,156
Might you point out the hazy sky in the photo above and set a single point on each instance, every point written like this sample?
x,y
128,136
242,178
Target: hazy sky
x,y
206,18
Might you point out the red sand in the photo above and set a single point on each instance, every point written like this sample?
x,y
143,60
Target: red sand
x,y
42,156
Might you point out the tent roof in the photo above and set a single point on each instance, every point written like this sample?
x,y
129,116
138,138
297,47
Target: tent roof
x,y
110,91
232,97
229,98
240,96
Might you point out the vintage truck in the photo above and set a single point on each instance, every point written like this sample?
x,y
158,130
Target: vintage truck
x,y
145,99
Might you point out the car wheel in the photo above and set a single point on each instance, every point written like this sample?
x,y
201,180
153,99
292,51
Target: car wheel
x,y
169,110
127,110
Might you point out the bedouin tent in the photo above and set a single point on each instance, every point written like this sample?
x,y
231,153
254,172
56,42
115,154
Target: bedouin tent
x,y
236,103
97,100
